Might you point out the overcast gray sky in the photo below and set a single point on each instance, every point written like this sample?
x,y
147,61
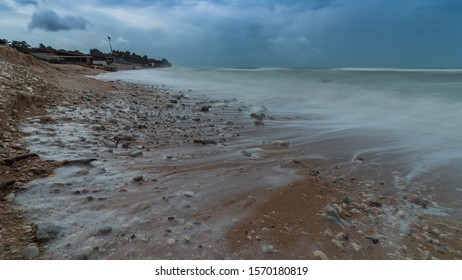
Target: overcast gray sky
x,y
259,33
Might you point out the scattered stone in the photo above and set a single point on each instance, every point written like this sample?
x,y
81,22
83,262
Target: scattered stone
x,y
171,241
46,119
281,143
86,251
356,247
47,231
107,143
416,200
339,244
250,201
258,116
373,239
320,255
205,141
123,137
267,249
10,197
138,178
136,153
331,213
205,109
188,194
83,172
375,203
31,251
259,123
104,230
16,146
98,128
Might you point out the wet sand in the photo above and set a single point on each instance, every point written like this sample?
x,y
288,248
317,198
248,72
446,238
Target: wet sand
x,y
150,173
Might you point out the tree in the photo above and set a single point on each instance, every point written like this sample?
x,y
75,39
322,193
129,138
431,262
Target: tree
x,y
96,52
3,42
41,46
20,45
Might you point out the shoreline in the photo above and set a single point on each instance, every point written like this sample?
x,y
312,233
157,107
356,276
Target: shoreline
x,y
205,179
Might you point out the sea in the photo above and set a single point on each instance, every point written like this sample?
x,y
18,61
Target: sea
x,y
408,121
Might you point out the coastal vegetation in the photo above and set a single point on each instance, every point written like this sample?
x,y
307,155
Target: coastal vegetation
x,y
115,55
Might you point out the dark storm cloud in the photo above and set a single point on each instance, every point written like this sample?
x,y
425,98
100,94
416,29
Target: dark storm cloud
x,y
50,21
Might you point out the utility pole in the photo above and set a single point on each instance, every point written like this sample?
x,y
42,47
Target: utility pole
x,y
110,46
112,52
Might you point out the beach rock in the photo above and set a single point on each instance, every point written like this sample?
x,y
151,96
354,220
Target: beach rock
x,y
416,200
339,244
259,123
47,231
5,185
356,247
85,252
188,194
16,146
320,255
138,178
123,137
281,143
107,143
205,109
258,116
267,249
10,197
31,251
205,141
136,153
104,230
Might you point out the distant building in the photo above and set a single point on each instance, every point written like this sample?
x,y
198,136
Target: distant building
x,y
63,57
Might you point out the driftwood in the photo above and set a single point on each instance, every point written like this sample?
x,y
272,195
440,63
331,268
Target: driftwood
x,y
78,162
10,161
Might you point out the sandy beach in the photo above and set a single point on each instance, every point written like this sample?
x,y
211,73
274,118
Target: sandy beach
x,y
97,169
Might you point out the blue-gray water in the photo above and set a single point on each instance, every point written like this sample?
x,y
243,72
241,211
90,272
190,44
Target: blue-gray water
x,y
413,114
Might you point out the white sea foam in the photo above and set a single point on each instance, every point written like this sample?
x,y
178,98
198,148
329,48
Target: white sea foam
x,y
417,112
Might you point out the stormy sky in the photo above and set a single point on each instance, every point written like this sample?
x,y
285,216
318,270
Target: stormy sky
x,y
241,33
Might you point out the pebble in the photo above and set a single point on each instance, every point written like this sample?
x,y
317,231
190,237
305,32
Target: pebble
x,y
339,244
83,172
356,247
188,194
31,251
47,231
171,241
10,197
123,137
281,143
104,230
136,154
138,178
267,249
86,251
16,146
320,255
